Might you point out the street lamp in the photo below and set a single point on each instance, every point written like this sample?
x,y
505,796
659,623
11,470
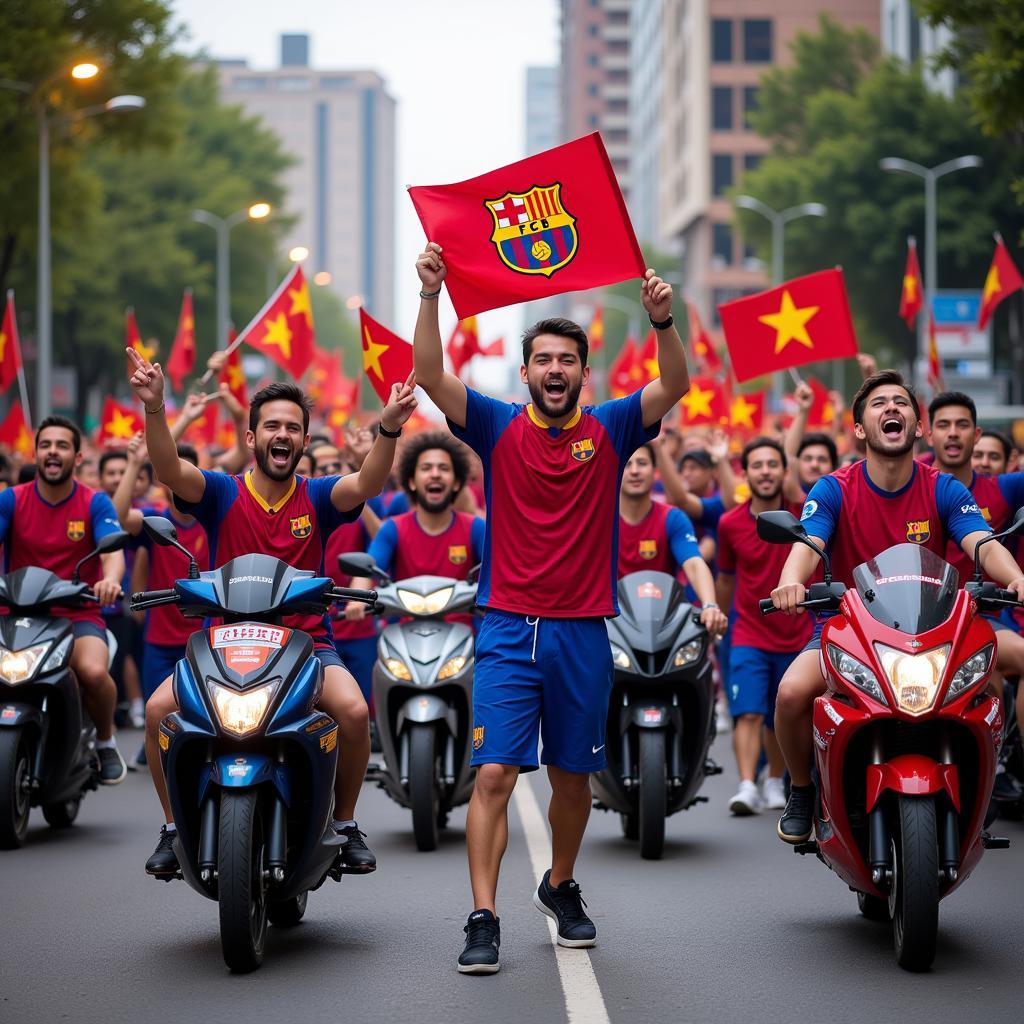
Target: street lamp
x,y
778,220
322,278
931,175
222,226
298,253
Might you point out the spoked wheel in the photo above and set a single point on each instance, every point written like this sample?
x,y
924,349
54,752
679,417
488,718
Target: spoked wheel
x,y
652,794
914,895
287,913
872,907
242,895
15,797
424,785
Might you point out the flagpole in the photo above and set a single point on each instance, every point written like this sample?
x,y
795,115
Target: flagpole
x,y
22,386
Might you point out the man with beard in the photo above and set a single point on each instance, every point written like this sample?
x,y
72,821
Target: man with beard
x,y
761,651
888,498
53,522
269,509
552,472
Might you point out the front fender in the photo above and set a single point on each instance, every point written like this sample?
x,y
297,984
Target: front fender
x,y
426,707
14,716
245,771
913,775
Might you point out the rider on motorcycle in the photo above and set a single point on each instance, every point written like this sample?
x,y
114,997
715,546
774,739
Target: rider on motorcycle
x,y
862,509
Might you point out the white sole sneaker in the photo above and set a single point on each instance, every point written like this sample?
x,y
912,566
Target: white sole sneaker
x,y
568,943
744,805
479,968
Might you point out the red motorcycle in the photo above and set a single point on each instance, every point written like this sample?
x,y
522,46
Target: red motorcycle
x,y
906,736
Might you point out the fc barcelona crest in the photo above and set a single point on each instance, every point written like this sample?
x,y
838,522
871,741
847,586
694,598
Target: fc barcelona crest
x,y
76,529
648,549
583,450
457,553
478,737
918,532
533,232
301,526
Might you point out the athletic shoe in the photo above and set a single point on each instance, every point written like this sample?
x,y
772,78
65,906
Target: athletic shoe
x,y
798,818
483,937
1006,788
354,853
773,792
747,800
723,720
564,904
164,861
112,766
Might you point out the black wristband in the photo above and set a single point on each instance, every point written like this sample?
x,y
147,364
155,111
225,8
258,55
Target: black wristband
x,y
661,325
384,432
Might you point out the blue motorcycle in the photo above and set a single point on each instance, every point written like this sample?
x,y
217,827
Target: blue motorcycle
x,y
249,761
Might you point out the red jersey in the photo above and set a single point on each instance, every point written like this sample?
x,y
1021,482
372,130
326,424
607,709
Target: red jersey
x,y
661,541
166,625
998,497
347,537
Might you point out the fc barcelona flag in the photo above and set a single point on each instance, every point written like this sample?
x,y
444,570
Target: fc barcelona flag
x,y
552,223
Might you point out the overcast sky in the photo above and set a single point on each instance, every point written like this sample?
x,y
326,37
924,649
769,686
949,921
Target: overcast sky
x,y
456,68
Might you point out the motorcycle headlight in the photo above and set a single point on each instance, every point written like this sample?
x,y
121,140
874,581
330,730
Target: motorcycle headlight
x,y
620,659
452,667
425,604
58,655
242,713
969,673
687,654
914,678
857,673
17,666
397,668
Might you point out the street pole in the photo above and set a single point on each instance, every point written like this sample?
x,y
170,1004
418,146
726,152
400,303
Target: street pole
x,y
44,322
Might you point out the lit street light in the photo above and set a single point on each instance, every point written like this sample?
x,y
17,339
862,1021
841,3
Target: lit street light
x,y
298,253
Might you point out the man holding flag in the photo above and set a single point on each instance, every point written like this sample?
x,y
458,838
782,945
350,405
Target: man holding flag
x,y
553,471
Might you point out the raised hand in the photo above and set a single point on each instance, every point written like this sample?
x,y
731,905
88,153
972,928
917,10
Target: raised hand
x,y
358,442
193,407
400,405
146,379
136,449
656,295
868,364
430,267
804,395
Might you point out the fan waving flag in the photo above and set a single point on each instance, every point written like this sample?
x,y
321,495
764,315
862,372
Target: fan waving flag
x,y
387,359
802,321
14,431
183,351
911,297
10,350
1003,279
118,423
283,329
554,222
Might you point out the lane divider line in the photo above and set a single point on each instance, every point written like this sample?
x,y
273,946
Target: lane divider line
x,y
584,1003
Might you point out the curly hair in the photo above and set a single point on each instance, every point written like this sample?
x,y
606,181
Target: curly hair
x,y
421,443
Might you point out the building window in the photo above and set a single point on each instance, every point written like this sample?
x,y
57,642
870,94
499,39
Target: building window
x,y
721,108
294,84
336,82
592,120
721,173
593,30
721,41
592,89
751,161
249,84
757,41
721,244
593,59
749,105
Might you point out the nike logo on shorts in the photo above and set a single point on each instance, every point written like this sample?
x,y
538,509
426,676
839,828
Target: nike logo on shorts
x,y
595,750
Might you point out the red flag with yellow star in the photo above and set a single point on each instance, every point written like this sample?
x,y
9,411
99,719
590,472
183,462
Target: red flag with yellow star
x,y
911,297
624,371
822,412
802,321
746,412
132,339
463,344
705,403
204,430
387,359
14,431
1003,279
183,351
233,375
118,424
344,403
935,381
706,359
283,329
325,375
595,333
647,360
10,350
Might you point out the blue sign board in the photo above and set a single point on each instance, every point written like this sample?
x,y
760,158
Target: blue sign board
x,y
956,308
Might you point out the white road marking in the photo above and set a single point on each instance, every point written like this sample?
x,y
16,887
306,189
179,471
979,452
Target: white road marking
x,y
584,1003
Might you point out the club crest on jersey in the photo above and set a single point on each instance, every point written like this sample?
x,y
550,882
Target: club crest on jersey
x,y
533,232
76,529
583,450
478,737
648,549
457,553
918,531
301,526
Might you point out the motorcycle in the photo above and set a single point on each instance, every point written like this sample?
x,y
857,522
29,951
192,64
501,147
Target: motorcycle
x,y
47,742
249,760
423,694
906,737
661,717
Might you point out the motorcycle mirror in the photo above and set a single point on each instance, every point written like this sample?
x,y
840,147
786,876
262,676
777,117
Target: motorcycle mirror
x,y
779,527
160,530
111,542
359,563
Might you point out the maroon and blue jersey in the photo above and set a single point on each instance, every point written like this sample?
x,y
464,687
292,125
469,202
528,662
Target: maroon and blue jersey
x,y
56,537
552,497
296,529
402,548
346,538
858,520
661,541
997,498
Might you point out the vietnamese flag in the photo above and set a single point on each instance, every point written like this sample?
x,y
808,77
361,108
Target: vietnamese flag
x,y
823,411
647,360
463,344
283,329
911,297
705,403
1003,279
203,430
705,359
14,431
802,321
10,350
233,375
132,339
552,223
595,333
183,352
344,403
118,423
387,359
746,412
624,370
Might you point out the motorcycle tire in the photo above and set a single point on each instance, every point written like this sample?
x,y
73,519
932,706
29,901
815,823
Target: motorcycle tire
x,y
914,896
630,826
652,795
15,799
873,908
287,913
241,895
424,786
62,814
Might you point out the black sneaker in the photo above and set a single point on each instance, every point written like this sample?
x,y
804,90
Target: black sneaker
x,y
483,937
565,904
164,860
354,853
1006,788
798,818
112,766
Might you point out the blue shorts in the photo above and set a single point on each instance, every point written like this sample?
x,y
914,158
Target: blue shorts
x,y
814,644
555,674
359,656
158,661
996,623
327,656
80,629
754,677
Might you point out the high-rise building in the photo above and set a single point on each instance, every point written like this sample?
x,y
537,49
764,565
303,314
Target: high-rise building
x,y
906,35
339,126
541,130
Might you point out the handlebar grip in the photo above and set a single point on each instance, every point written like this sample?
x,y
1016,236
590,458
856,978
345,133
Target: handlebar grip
x,y
349,594
766,606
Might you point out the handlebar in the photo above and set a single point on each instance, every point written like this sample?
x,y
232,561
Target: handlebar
x,y
821,603
349,594
988,595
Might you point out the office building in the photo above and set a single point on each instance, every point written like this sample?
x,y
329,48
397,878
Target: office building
x,y
542,121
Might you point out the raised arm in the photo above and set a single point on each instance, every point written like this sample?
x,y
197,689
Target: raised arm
x,y
191,410
673,380
130,518
239,457
703,583
718,449
445,389
676,490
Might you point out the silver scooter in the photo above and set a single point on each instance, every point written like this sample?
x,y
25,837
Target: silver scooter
x,y
423,694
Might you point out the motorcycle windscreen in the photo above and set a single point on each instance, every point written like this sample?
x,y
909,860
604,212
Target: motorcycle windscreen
x,y
908,588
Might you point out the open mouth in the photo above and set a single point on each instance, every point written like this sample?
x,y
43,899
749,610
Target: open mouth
x,y
434,490
954,448
892,426
555,388
52,463
280,453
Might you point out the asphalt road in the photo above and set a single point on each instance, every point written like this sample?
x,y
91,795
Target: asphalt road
x,y
730,926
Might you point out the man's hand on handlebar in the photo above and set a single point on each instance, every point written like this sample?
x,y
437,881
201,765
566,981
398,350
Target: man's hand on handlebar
x,y
355,611
107,591
787,598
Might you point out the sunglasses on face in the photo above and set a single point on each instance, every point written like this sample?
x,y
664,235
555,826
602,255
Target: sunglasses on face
x,y
327,468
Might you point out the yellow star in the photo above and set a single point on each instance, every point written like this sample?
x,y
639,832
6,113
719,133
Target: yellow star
x,y
121,425
741,412
236,377
372,353
828,413
790,323
278,334
697,402
992,285
146,351
300,303
910,287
